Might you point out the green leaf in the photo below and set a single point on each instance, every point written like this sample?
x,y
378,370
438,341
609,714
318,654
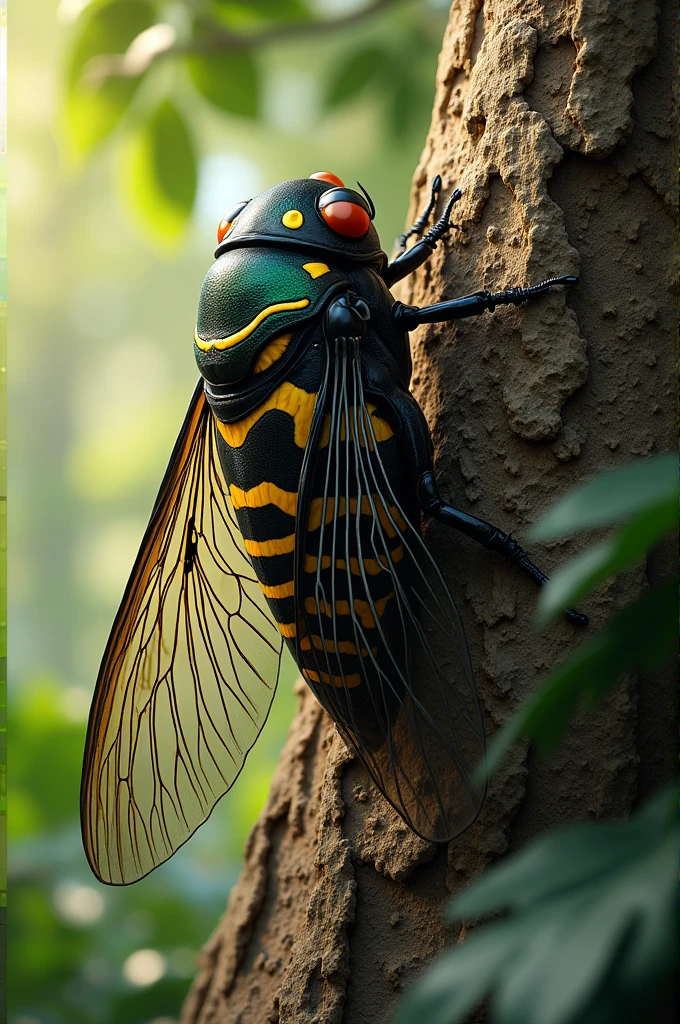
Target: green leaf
x,y
589,937
458,979
611,497
405,107
248,11
521,881
159,174
579,576
92,111
361,68
229,81
642,635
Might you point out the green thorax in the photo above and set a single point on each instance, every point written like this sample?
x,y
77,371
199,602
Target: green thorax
x,y
250,296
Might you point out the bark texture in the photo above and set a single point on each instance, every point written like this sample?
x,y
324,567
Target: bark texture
x,y
556,118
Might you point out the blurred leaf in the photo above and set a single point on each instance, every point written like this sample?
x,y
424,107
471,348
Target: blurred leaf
x,y
92,112
405,107
359,69
248,11
459,979
159,173
611,497
590,936
45,795
229,81
586,570
640,636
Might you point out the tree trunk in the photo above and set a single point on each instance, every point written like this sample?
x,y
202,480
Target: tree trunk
x,y
555,117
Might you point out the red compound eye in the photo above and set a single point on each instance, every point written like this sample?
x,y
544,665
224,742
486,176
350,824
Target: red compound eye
x,y
228,220
346,219
332,179
222,229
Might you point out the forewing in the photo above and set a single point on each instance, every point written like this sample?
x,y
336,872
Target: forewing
x,y
384,647
188,675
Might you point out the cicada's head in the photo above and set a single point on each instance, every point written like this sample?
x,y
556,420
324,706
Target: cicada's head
x,y
317,215
279,256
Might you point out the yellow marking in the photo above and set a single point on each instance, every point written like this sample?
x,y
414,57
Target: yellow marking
x,y
233,339
344,646
287,628
292,219
279,590
288,398
371,565
264,494
273,351
268,548
362,608
316,269
381,427
350,681
316,508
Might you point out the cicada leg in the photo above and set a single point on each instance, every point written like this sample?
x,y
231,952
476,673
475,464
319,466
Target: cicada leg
x,y
409,260
407,318
484,533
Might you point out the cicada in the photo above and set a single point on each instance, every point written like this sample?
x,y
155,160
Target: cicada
x,y
290,514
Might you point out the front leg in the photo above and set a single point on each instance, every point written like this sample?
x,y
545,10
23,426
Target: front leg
x,y
408,261
407,318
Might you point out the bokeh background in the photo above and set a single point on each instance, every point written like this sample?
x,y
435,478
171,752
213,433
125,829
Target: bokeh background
x,y
108,252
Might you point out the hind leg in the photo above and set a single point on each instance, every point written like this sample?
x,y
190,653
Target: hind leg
x,y
486,534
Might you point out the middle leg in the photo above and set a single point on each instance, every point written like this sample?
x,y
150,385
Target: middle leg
x,y
407,318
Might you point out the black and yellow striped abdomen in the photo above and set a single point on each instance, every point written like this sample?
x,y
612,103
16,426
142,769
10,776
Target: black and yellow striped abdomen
x,y
262,457
353,535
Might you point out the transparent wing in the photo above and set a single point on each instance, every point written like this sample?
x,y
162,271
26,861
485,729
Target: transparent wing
x,y
381,640
188,675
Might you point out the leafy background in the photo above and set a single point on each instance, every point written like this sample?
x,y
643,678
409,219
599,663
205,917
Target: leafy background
x,y
117,188
131,137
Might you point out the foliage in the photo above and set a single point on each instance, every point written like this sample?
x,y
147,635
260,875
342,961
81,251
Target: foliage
x,y
590,935
642,635
160,172
92,110
122,50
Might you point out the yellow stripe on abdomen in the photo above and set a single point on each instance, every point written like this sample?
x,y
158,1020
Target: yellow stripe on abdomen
x,y
343,646
371,566
264,494
269,548
316,509
279,590
288,398
350,681
381,428
362,608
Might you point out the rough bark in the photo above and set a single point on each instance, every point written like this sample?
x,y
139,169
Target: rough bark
x,y
556,119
